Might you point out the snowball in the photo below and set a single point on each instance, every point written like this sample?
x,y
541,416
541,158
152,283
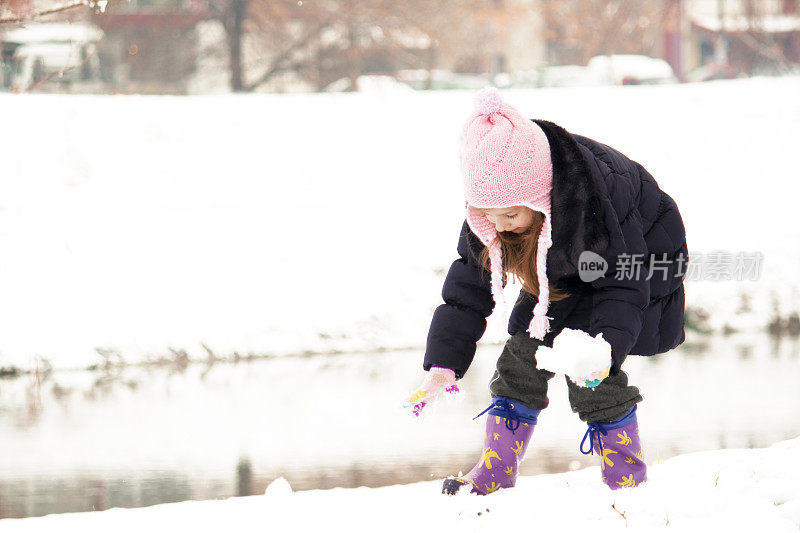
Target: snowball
x,y
576,354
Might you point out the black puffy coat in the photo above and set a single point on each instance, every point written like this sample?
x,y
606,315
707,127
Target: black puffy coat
x,y
603,202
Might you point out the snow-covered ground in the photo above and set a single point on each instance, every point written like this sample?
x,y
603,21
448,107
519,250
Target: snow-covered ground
x,y
726,490
280,224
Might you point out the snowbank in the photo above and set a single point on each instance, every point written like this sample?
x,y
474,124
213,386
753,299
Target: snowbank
x,y
729,490
279,224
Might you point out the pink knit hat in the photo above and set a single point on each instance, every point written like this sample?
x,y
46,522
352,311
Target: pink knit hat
x,y
505,160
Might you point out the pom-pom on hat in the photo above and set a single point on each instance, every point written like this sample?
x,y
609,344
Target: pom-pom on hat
x,y
505,162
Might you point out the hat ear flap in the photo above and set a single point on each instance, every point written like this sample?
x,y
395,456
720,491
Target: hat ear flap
x,y
483,228
480,225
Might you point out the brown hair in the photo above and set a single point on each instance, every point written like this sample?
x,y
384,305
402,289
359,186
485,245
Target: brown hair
x,y
519,258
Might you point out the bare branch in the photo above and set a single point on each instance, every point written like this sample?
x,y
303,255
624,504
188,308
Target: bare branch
x,y
18,19
768,52
278,65
58,8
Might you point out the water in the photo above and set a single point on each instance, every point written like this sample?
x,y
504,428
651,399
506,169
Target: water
x,y
82,441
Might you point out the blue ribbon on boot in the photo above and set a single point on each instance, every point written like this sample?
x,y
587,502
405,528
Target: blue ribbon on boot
x,y
593,432
514,413
601,428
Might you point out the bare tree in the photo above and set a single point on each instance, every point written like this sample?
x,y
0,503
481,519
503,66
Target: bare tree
x,y
457,30
18,11
232,14
758,45
577,30
284,37
320,41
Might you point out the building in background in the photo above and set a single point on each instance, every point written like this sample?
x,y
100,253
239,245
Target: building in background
x,y
150,46
729,38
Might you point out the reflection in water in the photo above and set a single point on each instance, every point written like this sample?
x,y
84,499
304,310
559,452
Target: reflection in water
x,y
37,496
135,436
244,478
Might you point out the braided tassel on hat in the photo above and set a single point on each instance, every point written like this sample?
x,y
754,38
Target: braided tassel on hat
x,y
540,324
496,267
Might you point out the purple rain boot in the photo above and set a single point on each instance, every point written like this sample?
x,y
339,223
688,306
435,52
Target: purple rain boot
x,y
620,449
509,427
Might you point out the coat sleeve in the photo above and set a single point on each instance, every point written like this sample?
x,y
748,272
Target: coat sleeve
x,y
621,296
459,323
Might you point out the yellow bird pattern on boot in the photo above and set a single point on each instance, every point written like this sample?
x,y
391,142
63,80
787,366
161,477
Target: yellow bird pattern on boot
x,y
624,439
639,454
467,480
487,456
606,459
497,436
518,448
491,488
627,481
630,460
510,470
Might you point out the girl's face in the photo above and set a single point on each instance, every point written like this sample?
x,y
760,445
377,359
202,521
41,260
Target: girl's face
x,y
517,219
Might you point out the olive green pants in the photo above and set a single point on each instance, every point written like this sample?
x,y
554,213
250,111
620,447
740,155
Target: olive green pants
x,y
518,378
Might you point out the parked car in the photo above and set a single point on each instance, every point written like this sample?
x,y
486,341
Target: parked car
x,y
71,67
67,50
630,69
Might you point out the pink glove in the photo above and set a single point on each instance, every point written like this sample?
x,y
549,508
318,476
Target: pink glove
x,y
437,381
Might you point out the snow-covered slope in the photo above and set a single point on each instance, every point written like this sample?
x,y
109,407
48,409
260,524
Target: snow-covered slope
x,y
728,490
285,223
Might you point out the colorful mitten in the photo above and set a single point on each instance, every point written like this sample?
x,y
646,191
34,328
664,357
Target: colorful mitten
x,y
437,381
509,427
593,379
618,444
584,359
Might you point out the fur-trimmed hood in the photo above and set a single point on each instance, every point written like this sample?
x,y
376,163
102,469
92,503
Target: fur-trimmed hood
x,y
576,205
577,216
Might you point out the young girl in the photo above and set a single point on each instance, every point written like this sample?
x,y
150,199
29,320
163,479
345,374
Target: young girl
x,y
600,252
